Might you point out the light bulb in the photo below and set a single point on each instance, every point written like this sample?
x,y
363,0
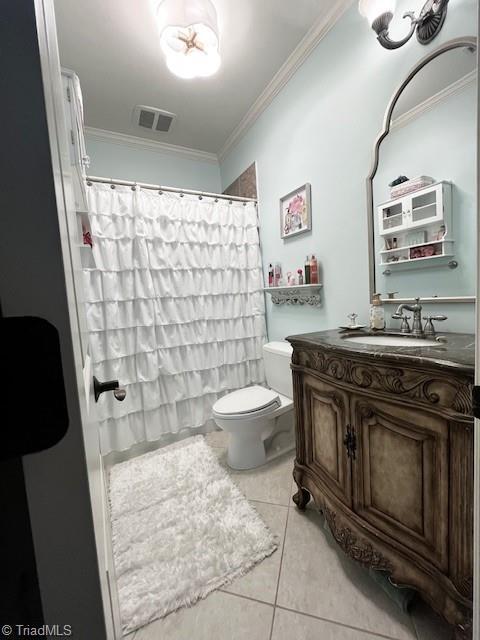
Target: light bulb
x,y
372,9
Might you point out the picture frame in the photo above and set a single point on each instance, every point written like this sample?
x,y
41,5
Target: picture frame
x,y
296,212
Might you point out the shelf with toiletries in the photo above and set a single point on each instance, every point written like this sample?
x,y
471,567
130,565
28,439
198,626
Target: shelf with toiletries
x,y
84,241
310,274
301,286
416,228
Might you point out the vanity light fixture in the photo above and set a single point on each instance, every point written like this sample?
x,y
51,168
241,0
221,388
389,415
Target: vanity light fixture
x,y
379,14
189,37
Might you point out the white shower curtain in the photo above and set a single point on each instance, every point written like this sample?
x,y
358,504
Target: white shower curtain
x,y
175,308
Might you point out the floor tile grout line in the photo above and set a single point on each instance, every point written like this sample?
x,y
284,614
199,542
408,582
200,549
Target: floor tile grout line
x,y
339,624
273,504
271,604
280,570
241,595
273,622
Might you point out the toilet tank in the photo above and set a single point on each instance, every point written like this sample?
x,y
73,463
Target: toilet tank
x,y
277,357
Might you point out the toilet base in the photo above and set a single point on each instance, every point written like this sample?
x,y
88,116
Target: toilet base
x,y
245,451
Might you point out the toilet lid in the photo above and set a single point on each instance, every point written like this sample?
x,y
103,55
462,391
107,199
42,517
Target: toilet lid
x,y
247,400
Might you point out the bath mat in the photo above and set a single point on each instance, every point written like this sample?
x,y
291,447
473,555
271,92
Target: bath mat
x,y
181,529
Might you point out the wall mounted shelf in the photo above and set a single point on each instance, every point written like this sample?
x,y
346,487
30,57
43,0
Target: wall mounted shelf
x,y
424,216
299,294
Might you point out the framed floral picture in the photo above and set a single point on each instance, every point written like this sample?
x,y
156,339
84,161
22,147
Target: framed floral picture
x,y
296,212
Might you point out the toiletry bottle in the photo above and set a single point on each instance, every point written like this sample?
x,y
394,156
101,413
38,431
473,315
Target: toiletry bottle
x,y
377,313
313,270
277,274
270,275
307,270
300,276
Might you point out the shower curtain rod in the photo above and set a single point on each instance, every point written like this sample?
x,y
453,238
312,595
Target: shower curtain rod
x,y
157,187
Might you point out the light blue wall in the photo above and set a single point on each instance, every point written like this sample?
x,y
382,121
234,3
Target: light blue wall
x,y
320,129
121,161
440,143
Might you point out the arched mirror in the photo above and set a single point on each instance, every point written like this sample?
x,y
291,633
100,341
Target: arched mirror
x,y
422,187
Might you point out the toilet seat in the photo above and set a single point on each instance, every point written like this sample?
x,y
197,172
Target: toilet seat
x,y
251,402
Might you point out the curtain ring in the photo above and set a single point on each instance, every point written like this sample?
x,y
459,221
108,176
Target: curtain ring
x,y
200,197
230,202
89,183
181,195
160,192
244,204
112,186
216,200
134,187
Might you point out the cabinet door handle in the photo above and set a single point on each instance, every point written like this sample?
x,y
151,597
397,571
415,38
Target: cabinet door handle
x,y
350,441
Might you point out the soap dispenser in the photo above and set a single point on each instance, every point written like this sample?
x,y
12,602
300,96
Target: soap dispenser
x,y
377,313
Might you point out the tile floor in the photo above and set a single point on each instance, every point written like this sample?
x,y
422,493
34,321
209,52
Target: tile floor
x,y
307,590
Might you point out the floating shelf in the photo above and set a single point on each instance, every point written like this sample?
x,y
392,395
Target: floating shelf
x,y
413,246
446,258
299,294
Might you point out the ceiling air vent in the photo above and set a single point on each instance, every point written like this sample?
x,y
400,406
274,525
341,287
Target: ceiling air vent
x,y
152,118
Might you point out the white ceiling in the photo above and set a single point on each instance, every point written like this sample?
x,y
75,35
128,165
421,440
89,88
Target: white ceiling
x,y
113,47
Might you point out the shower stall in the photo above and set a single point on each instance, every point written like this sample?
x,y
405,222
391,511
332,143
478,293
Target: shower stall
x,y
174,305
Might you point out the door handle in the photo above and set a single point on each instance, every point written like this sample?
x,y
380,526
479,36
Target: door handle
x,y
109,385
350,441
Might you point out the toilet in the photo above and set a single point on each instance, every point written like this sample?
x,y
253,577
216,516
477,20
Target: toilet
x,y
255,415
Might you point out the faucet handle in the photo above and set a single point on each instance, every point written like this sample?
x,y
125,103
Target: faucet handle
x,y
429,329
405,328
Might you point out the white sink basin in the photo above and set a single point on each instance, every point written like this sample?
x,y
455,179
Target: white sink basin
x,y
394,341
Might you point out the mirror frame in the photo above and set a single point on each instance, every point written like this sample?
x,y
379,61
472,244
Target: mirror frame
x,y
468,42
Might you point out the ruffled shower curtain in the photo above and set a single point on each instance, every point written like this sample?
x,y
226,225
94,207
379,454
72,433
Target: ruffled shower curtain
x,y
175,308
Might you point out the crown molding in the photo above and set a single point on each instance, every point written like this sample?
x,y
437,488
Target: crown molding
x,y
318,31
432,101
135,142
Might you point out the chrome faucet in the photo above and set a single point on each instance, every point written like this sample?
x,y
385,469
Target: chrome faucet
x,y
417,330
416,309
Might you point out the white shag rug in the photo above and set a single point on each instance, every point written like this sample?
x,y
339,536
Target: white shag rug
x,y
181,529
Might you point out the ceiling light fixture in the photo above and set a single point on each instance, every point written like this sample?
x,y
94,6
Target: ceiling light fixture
x,y
189,37
379,14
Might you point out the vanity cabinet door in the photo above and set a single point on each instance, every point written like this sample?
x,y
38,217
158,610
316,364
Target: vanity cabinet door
x,y
326,418
401,475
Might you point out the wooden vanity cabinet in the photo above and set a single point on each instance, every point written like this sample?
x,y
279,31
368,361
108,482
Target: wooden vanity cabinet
x,y
386,452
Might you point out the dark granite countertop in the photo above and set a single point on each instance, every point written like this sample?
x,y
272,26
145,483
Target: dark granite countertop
x,y
457,353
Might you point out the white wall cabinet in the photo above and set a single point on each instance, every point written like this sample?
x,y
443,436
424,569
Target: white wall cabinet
x,y
417,228
79,159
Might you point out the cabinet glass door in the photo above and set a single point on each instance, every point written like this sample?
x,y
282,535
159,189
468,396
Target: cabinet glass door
x,y
426,207
391,217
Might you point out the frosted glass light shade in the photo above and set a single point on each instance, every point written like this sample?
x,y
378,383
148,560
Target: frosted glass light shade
x,y
189,37
372,9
